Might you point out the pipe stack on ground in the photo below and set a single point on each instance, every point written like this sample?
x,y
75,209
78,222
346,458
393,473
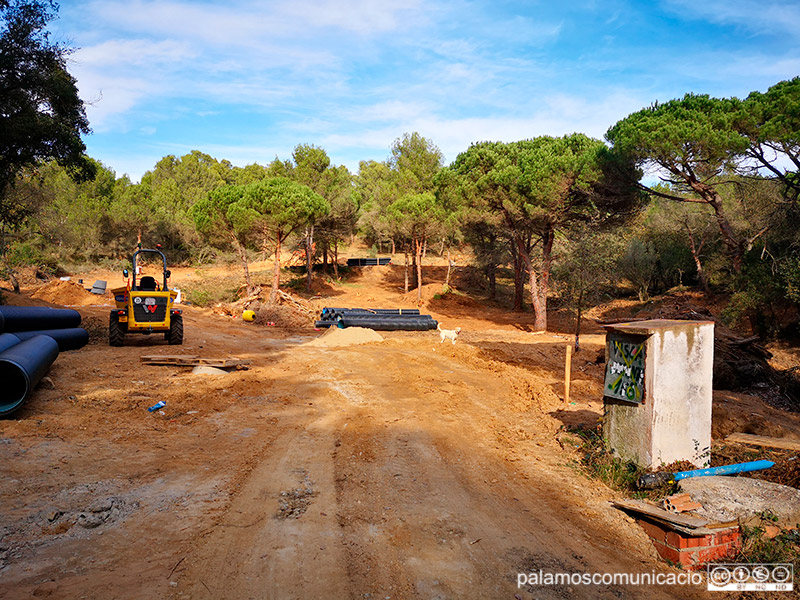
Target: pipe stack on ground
x,y
30,339
380,319
368,262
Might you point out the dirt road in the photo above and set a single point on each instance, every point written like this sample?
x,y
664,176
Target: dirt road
x,y
398,469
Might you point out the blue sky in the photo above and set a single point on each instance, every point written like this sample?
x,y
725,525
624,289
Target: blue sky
x,y
247,81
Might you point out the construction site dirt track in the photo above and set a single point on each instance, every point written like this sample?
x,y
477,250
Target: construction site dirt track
x,y
401,468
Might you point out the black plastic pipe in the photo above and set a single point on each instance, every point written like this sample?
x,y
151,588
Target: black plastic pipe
x,y
389,324
368,262
68,339
350,315
34,318
371,311
21,368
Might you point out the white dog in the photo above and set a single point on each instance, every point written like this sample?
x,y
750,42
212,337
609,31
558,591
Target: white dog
x,y
448,334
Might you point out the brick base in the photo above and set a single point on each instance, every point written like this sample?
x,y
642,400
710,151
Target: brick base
x,y
691,552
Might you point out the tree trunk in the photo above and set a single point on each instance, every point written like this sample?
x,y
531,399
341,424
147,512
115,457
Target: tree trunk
x,y
424,248
449,268
491,275
276,273
733,244
405,252
578,322
309,256
325,255
519,283
547,262
539,307
394,249
240,250
336,259
414,266
419,252
701,274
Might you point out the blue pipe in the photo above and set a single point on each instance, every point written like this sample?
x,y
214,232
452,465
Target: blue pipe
x,y
33,318
68,339
755,465
21,367
7,340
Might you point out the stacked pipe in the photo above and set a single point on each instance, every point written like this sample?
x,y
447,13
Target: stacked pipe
x,y
30,339
368,262
381,319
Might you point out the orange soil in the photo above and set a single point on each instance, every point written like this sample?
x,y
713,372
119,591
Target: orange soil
x,y
400,469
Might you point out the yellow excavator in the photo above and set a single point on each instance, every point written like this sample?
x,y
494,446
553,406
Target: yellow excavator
x,y
144,305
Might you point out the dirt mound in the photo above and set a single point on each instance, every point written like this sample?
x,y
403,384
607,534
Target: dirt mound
x,y
452,300
352,336
68,293
429,292
12,299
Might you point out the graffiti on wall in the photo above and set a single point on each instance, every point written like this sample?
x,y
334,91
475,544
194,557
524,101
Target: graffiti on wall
x,y
625,370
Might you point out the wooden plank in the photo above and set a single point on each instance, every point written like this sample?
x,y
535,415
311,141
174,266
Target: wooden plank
x,y
762,440
184,360
661,514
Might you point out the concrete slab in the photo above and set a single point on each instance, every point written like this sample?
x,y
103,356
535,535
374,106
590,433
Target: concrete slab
x,y
730,498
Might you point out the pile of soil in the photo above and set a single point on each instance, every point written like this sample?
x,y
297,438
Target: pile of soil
x,y
352,336
429,292
68,293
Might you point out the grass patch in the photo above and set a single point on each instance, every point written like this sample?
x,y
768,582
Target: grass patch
x,y
210,291
596,462
446,289
758,547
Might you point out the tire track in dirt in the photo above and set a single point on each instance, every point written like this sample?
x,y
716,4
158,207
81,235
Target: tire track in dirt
x,y
413,495
426,515
258,550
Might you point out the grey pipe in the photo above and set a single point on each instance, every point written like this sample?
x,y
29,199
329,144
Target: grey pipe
x,y
21,367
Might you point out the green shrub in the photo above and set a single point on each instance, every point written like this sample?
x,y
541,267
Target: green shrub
x,y
208,292
758,548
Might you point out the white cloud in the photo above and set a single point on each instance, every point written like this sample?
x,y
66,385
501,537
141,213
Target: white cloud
x,y
760,16
106,98
353,75
561,115
365,17
134,52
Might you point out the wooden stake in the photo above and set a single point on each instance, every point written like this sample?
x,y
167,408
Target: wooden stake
x,y
567,370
